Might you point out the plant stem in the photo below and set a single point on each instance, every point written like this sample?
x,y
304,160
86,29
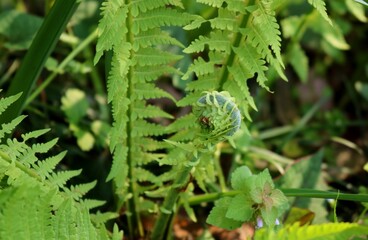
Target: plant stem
x,y
40,49
230,60
168,205
134,220
62,65
290,192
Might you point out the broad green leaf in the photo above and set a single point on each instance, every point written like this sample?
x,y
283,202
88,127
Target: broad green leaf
x,y
19,29
240,208
218,217
240,177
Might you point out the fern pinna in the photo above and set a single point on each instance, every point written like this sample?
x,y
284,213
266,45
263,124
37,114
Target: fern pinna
x,y
131,30
244,41
35,202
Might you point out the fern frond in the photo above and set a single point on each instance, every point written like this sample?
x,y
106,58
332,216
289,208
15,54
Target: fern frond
x,y
204,83
149,91
149,111
140,56
34,134
7,128
252,64
320,6
78,191
31,195
144,6
317,232
92,203
45,168
6,102
226,20
60,178
212,3
149,73
160,17
217,41
143,129
154,57
111,28
264,32
154,37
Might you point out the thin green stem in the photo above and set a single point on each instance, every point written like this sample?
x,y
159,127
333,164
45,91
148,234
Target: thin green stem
x,y
308,193
25,169
230,60
167,208
40,49
134,221
218,167
62,65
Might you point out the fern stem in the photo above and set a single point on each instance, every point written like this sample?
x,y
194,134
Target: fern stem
x,y
134,223
218,167
230,60
167,208
19,165
62,65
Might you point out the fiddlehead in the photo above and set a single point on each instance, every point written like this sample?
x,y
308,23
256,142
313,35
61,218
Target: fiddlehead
x,y
218,116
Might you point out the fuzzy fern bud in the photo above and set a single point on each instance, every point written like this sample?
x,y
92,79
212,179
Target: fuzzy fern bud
x,y
218,116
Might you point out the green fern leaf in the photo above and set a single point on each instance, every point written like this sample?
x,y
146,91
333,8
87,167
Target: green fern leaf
x,y
78,191
144,6
143,129
60,178
236,6
44,147
149,111
45,168
153,57
111,28
34,134
226,20
213,3
253,64
154,37
217,41
6,102
149,73
264,32
315,232
149,144
92,203
7,128
321,8
160,17
149,91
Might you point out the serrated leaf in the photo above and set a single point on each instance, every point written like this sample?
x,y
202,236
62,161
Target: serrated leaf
x,y
240,177
240,208
321,8
218,217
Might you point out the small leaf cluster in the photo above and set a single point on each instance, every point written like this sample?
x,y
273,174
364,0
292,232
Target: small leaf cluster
x,y
256,198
